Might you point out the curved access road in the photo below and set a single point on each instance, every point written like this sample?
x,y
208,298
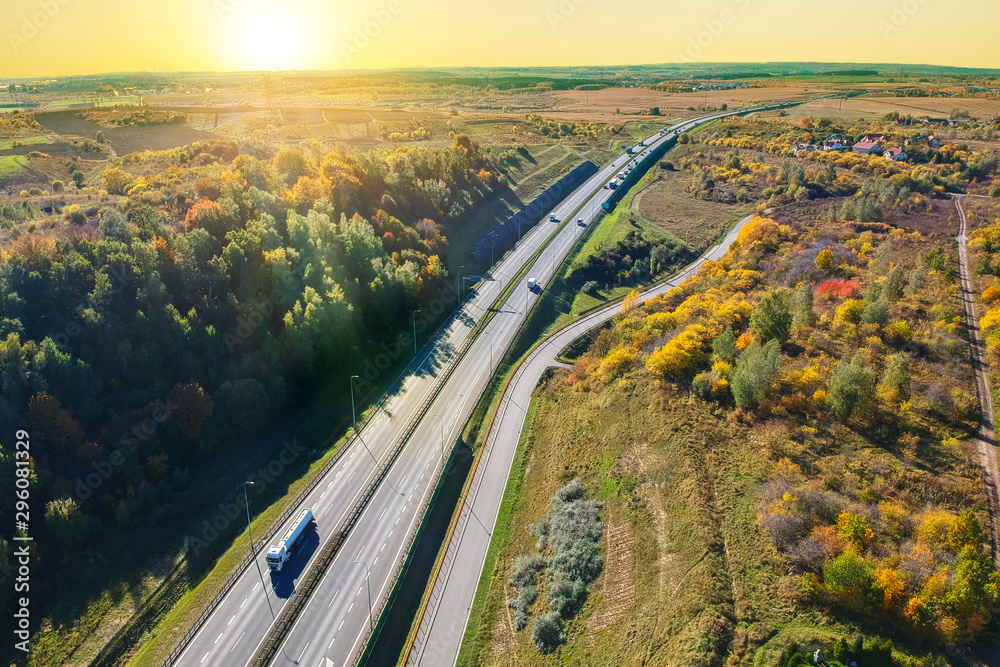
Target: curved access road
x,y
442,625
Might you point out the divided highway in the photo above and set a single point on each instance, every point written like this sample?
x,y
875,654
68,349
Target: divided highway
x,y
334,626
442,625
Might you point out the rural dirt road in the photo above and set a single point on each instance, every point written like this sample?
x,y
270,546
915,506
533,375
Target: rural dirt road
x,y
986,442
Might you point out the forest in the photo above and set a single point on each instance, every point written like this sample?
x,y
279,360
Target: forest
x,y
178,314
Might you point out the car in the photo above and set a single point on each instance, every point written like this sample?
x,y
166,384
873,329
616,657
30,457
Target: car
x,y
580,222
552,218
532,284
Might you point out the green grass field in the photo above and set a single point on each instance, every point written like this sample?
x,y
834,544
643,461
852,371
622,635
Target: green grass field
x,y
13,164
26,141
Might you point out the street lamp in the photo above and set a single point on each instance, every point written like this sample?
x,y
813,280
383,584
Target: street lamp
x,y
368,575
263,586
415,331
491,348
458,283
354,419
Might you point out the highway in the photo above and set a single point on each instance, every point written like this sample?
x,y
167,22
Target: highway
x,y
240,622
442,625
334,625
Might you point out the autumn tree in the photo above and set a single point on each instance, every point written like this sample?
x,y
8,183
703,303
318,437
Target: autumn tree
x,y
193,406
824,260
683,353
895,383
115,181
801,306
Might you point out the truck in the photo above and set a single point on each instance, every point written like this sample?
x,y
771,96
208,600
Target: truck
x,y
279,553
612,185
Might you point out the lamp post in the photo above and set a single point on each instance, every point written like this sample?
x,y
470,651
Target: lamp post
x,y
491,348
458,283
263,586
354,419
415,331
368,575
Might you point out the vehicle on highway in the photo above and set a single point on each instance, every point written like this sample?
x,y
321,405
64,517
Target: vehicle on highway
x,y
279,554
552,217
612,186
580,222
532,284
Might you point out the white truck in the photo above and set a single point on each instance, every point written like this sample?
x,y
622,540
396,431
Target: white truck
x,y
279,554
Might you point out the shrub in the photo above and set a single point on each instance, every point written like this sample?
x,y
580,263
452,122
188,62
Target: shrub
x,y
876,313
566,597
547,632
590,287
772,319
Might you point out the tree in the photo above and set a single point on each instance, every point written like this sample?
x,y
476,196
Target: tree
x,y
756,371
852,578
724,345
772,319
291,163
824,260
115,181
68,524
896,378
114,225
801,305
246,404
193,407
852,388
895,283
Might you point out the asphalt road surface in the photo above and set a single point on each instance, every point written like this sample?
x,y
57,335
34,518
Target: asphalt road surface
x,y
334,625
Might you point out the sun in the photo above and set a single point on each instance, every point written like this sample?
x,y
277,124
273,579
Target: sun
x,y
271,40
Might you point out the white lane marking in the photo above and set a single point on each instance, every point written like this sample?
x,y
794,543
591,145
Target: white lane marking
x,y
330,484
397,521
350,608
383,547
254,589
237,642
360,588
331,645
338,474
321,495
384,510
333,598
218,638
203,657
390,532
374,561
341,624
231,620
421,476
358,557
303,652
243,603
352,475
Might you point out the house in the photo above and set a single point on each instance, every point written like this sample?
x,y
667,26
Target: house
x,y
874,138
803,148
835,143
933,142
895,154
868,147
936,121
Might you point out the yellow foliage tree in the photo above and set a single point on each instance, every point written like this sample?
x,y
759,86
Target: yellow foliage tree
x,y
682,353
115,181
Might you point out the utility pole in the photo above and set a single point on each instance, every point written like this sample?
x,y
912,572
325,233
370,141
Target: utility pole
x,y
263,586
354,419
368,574
415,331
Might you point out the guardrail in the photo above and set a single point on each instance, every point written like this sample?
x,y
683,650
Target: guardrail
x,y
281,628
264,540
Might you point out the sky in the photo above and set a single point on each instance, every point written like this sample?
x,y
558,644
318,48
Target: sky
x,y
64,37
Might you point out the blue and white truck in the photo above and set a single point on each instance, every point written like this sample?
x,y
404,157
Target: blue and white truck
x,y
279,554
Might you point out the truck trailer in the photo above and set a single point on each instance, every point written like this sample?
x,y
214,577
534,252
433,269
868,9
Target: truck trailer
x,y
279,554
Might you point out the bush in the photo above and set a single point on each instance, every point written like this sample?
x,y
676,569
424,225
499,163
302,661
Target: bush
x,y
579,560
547,632
772,319
526,570
590,287
58,186
566,597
